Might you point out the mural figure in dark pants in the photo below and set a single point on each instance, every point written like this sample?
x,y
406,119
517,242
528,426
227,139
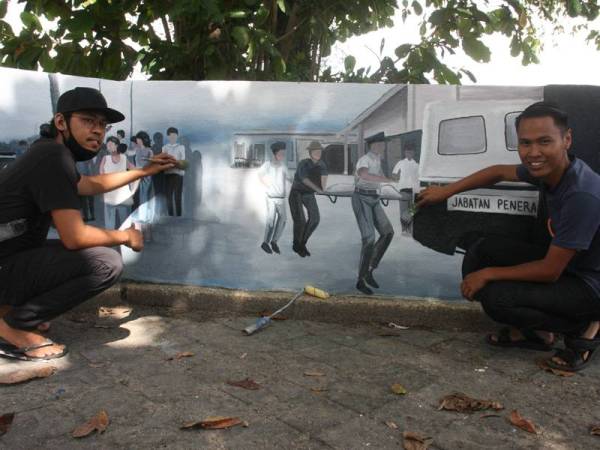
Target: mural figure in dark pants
x,y
310,177
273,175
369,213
174,177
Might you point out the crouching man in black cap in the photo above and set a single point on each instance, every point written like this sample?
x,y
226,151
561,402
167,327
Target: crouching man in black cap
x,y
41,279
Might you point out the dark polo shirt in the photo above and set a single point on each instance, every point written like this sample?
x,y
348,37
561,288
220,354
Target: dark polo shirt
x,y
574,217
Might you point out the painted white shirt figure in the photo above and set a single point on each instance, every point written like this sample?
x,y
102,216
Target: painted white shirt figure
x,y
274,176
409,174
372,162
178,151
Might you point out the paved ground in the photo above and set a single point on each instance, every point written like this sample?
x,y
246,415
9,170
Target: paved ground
x,y
121,366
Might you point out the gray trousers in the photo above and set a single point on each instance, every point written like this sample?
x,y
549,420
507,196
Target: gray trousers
x,y
276,218
370,216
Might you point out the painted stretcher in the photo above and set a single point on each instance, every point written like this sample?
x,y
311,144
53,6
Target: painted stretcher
x,y
387,192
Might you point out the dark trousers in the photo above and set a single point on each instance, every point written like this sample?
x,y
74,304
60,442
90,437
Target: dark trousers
x,y
43,283
566,306
174,193
303,228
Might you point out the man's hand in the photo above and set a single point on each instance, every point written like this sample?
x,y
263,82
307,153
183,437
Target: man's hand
x,y
135,239
473,283
159,163
431,195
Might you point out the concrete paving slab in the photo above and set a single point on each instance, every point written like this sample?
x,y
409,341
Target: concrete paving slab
x,y
126,371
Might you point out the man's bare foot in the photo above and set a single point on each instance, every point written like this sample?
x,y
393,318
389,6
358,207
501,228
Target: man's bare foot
x,y
43,327
516,335
23,339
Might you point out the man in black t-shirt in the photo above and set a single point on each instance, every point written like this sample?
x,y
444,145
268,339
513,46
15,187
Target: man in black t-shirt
x,y
310,177
41,279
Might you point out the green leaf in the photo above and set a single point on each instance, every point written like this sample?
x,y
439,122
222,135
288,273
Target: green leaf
x,y
238,14
281,4
403,50
30,20
241,36
476,49
279,66
3,7
573,7
417,7
81,23
381,45
349,63
469,74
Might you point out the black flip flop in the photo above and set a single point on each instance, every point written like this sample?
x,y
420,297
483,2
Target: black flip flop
x,y
531,340
573,352
10,351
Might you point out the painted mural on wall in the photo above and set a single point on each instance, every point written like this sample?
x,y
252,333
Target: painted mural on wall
x,y
286,184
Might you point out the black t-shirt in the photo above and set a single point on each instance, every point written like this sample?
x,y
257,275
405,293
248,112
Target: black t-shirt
x,y
43,179
307,168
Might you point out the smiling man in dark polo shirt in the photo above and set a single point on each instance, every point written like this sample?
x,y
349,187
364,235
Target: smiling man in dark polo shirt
x,y
41,279
540,291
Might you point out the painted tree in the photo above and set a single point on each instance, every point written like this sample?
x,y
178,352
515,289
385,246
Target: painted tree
x,y
269,39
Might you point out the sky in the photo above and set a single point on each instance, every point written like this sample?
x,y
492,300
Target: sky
x,y
565,59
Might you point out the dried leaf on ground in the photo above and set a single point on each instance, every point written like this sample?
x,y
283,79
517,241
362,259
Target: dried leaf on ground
x,y
319,389
414,441
561,373
6,421
97,423
398,389
313,373
595,430
31,373
214,423
118,312
485,416
391,424
246,383
524,424
463,403
181,355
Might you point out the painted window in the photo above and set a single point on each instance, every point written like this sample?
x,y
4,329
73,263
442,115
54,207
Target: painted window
x,y
510,131
462,136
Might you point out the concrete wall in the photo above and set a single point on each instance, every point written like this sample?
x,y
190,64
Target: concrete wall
x,y
217,240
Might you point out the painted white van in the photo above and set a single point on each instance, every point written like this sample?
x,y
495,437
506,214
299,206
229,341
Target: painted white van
x,y
459,138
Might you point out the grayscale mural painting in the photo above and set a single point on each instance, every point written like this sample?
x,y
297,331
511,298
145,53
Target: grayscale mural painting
x,y
267,194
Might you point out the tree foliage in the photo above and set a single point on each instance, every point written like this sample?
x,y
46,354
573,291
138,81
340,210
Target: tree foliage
x,y
269,39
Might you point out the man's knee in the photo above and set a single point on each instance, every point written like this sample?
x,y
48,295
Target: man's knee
x,y
107,263
495,302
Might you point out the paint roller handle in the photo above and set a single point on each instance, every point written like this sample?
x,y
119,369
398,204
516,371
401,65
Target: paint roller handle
x,y
259,324
315,292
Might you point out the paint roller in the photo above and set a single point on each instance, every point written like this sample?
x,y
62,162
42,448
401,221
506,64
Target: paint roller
x,y
262,322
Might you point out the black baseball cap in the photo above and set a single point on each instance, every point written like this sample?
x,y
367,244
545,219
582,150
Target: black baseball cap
x,y
90,99
378,137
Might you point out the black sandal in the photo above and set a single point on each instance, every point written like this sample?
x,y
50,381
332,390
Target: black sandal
x,y
531,340
10,351
572,354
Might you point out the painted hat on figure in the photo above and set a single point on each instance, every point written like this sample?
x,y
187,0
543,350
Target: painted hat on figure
x,y
378,137
276,146
87,99
314,145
